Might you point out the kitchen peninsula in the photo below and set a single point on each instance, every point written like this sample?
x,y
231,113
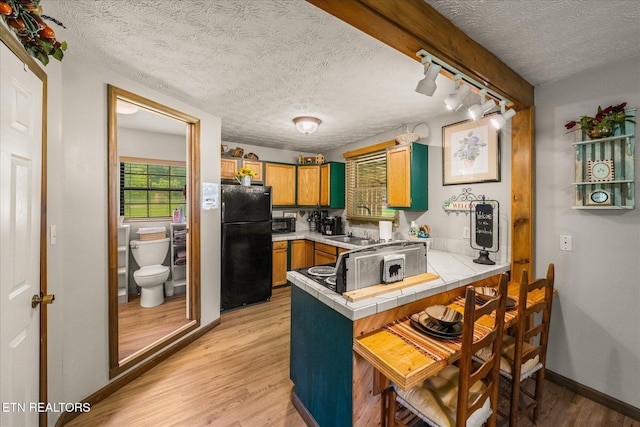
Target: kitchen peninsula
x,y
333,385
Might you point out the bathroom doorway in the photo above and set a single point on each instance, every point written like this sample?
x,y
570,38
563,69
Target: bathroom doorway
x,y
154,163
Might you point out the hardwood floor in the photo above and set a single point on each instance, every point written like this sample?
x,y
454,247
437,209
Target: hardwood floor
x,y
238,375
139,327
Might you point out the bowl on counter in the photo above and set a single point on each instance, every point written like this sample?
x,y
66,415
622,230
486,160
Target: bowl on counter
x,y
444,315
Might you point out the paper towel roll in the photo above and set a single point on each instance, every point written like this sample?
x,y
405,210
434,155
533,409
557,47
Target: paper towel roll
x,y
385,230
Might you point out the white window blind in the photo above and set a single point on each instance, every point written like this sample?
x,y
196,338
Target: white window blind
x,y
367,188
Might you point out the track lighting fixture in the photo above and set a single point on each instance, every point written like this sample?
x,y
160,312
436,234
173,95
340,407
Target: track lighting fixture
x,y
464,85
455,99
427,86
306,124
476,111
499,120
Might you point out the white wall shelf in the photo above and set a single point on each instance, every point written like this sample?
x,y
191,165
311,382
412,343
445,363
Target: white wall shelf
x,y
178,272
123,263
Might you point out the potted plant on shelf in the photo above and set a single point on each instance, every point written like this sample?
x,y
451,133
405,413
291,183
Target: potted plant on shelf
x,y
603,124
243,176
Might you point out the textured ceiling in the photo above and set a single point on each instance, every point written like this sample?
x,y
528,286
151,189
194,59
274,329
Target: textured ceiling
x,y
259,64
546,40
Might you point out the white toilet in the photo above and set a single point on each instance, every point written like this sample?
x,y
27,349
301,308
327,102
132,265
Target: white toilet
x,y
150,254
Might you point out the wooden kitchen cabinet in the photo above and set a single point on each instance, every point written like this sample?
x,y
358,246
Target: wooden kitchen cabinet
x,y
301,254
407,176
322,185
228,168
326,254
308,185
332,185
279,269
255,166
282,179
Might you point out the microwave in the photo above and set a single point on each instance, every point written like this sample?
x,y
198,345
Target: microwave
x,y
283,225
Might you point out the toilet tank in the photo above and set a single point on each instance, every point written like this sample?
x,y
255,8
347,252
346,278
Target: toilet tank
x,y
149,252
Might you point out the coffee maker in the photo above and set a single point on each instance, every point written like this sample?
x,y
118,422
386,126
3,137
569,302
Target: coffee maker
x,y
332,226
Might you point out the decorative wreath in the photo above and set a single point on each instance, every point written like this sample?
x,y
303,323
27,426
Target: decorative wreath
x,y
25,18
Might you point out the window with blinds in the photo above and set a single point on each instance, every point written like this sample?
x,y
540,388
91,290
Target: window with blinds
x,y
367,188
151,189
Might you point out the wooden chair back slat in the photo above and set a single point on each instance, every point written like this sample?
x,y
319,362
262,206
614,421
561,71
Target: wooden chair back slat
x,y
488,372
535,334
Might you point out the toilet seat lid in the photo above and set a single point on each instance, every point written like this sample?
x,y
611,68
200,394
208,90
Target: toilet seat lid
x,y
151,270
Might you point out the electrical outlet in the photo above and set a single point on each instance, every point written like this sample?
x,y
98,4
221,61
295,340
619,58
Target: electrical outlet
x,y
53,235
566,242
466,233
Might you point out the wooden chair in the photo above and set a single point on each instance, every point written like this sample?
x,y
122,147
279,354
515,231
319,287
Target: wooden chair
x,y
522,357
462,395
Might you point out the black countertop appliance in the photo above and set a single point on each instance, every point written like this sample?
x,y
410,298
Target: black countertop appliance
x,y
331,226
246,245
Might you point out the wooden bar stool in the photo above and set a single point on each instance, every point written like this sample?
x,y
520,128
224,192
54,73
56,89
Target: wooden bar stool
x,y
525,352
461,395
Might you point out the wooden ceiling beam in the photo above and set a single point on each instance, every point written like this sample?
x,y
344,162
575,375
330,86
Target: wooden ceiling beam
x,y
411,25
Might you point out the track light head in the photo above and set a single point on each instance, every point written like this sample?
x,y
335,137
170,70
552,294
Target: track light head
x,y
427,86
455,99
478,110
499,120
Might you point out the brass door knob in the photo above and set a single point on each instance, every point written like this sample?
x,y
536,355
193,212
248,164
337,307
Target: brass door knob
x,y
42,299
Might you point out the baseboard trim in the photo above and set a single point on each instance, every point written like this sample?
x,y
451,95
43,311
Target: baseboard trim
x,y
598,397
134,373
302,410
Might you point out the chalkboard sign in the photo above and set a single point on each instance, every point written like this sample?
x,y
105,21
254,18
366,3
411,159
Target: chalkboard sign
x,y
484,225
485,228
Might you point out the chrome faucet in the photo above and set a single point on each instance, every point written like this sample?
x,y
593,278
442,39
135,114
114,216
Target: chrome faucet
x,y
365,207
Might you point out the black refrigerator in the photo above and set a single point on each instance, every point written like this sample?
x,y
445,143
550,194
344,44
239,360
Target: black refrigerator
x,y
246,245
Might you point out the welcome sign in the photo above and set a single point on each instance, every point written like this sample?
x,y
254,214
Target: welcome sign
x,y
484,225
485,229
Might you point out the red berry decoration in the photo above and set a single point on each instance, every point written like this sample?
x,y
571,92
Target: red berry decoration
x,y
25,18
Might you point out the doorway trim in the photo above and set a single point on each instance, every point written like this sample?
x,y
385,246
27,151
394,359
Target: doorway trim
x,y
18,50
117,366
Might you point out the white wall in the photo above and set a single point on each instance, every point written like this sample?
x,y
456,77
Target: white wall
x,y
152,145
595,329
77,185
446,229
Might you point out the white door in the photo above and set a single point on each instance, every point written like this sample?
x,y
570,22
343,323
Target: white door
x,y
20,185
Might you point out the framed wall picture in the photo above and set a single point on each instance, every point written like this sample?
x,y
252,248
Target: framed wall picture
x,y
470,152
288,214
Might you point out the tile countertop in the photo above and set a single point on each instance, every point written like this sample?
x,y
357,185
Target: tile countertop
x,y
455,270
313,236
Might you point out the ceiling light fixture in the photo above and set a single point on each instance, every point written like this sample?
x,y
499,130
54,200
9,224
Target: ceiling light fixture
x,y
478,110
427,86
123,107
499,120
307,124
455,99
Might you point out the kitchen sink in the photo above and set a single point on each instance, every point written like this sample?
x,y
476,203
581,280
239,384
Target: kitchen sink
x,y
353,240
